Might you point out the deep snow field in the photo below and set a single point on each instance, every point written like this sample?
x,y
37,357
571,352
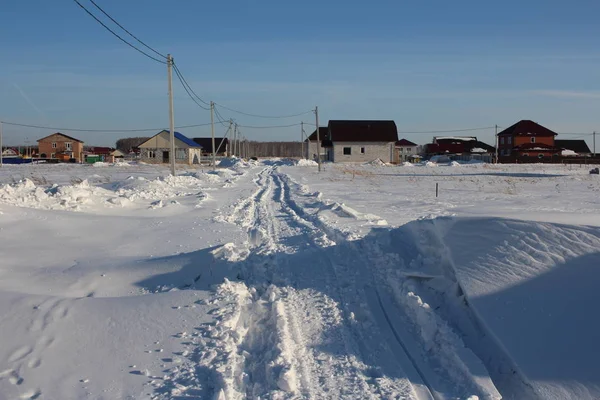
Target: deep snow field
x,y
269,280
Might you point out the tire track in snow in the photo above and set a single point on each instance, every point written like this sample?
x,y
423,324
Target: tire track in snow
x,y
436,380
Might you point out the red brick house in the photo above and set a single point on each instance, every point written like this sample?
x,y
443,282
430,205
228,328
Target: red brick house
x,y
526,139
60,146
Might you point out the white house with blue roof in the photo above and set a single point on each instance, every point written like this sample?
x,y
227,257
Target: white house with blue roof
x,y
156,150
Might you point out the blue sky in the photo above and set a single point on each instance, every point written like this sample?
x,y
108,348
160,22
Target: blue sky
x,y
429,65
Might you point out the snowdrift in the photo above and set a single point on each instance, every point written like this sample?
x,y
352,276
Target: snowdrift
x,y
531,285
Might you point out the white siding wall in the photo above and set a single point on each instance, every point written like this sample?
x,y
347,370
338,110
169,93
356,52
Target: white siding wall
x,y
404,154
373,150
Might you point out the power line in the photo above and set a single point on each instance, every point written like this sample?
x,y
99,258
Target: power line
x,y
98,130
264,116
453,130
220,117
129,33
269,127
183,83
182,78
119,37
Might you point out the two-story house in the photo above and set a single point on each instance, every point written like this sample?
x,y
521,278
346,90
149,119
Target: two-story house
x,y
526,139
59,145
406,150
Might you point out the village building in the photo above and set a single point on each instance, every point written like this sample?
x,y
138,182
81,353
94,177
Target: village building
x,y
355,141
526,139
157,149
406,151
573,147
222,145
62,147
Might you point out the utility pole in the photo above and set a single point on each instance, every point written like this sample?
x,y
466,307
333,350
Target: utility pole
x,y
171,116
594,144
1,143
302,138
318,138
212,133
497,141
236,150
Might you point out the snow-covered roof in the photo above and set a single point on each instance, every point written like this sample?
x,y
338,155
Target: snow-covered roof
x,y
478,150
568,153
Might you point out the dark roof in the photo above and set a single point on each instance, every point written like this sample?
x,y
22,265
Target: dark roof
x,y
362,131
527,127
480,145
578,146
62,134
404,142
323,131
99,149
206,144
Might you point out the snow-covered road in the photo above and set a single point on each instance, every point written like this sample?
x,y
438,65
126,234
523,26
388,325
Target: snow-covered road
x,y
270,281
310,318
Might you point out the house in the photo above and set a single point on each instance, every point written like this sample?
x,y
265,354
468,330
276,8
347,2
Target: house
x,y
311,146
222,145
60,146
117,154
97,153
358,141
464,148
526,139
156,149
10,153
576,147
405,150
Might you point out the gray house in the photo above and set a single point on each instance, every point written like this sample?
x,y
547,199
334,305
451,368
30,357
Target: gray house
x,y
156,149
356,141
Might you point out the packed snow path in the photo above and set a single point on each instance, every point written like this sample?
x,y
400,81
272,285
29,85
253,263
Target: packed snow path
x,y
311,318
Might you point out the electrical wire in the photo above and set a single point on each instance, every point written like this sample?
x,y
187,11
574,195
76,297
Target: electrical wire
x,y
269,127
182,81
178,71
129,33
264,116
98,130
119,37
452,130
220,118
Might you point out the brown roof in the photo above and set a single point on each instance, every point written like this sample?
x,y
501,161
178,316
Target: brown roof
x,y
362,131
404,142
323,131
62,134
527,127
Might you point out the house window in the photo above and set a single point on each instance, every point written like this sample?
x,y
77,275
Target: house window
x,y
53,155
53,146
68,145
180,154
508,152
347,151
541,155
509,140
151,154
362,150
532,140
525,154
401,149
501,140
408,149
